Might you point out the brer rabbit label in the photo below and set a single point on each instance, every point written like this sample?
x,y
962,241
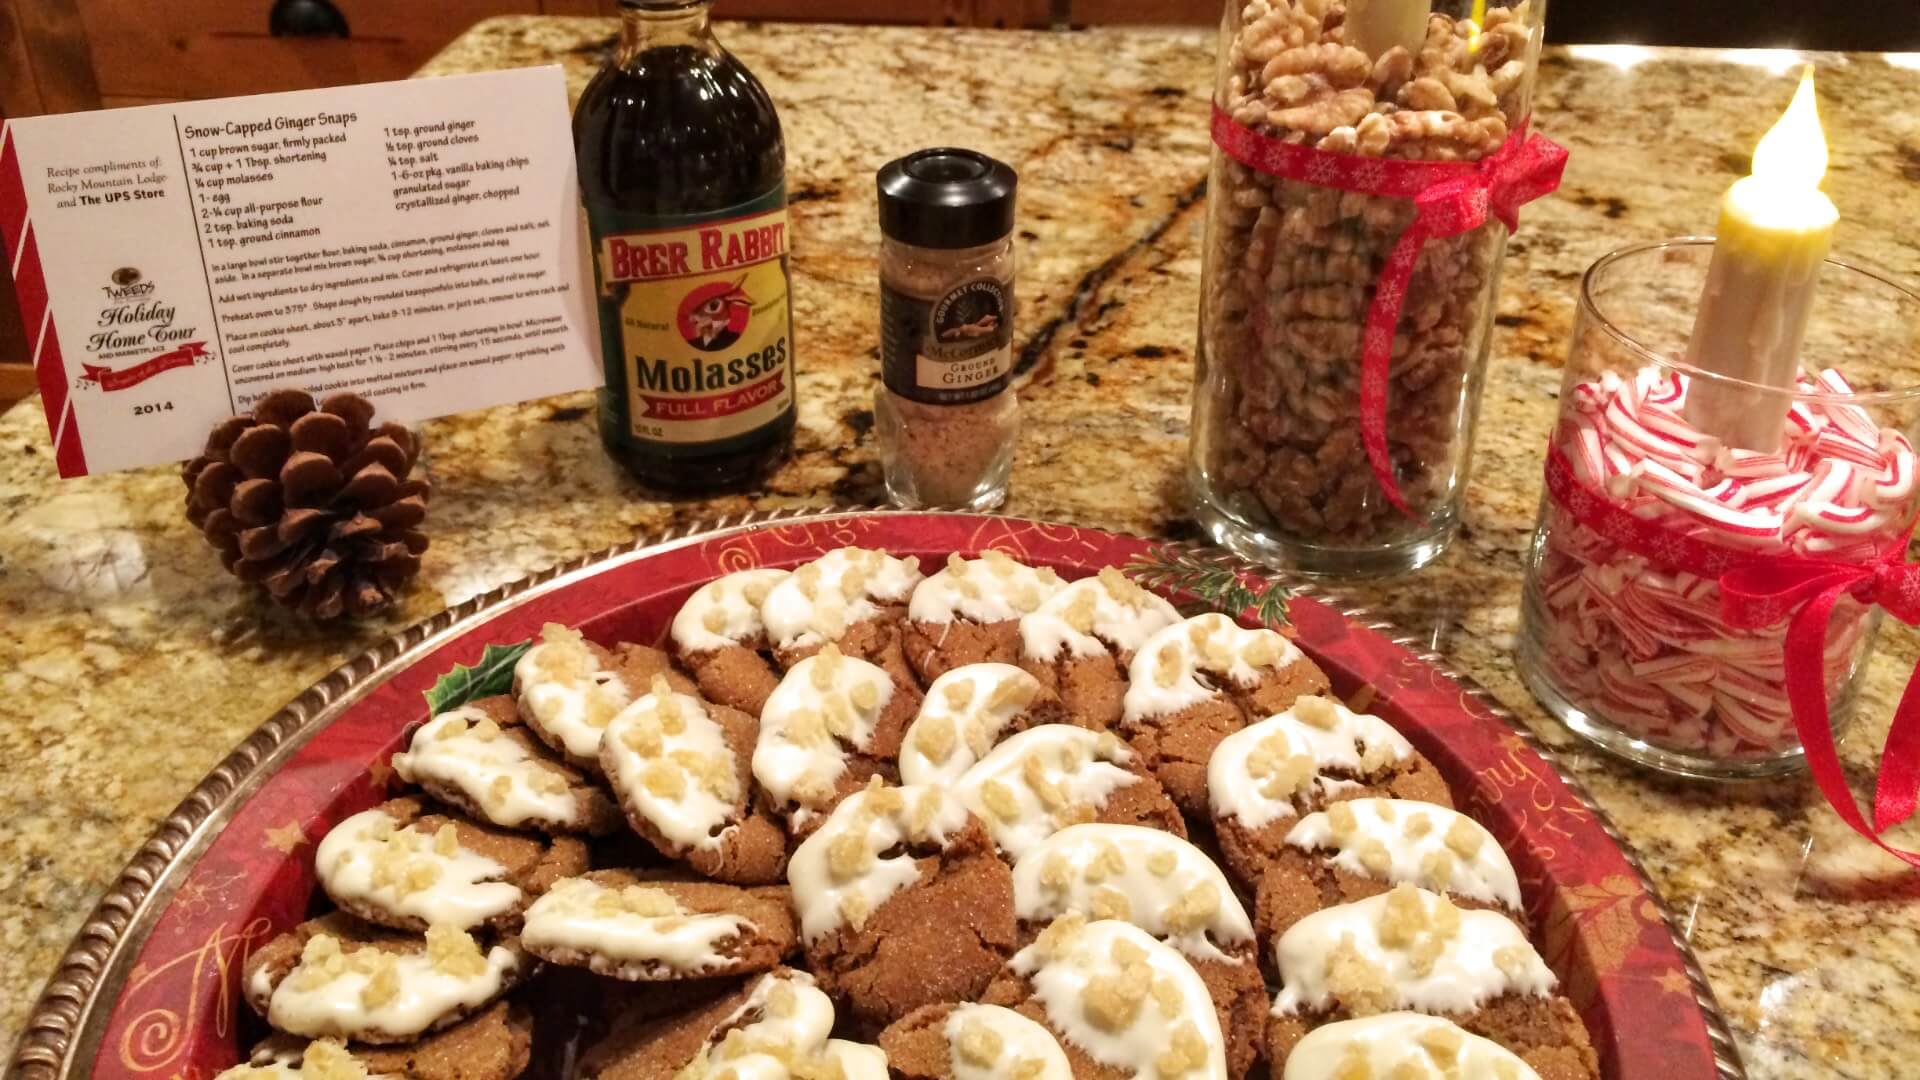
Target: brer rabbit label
x,y
952,350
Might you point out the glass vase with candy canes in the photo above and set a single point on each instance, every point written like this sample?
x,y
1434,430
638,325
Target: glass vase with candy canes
x,y
1701,606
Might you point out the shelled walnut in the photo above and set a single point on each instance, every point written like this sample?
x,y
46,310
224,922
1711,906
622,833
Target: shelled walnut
x,y
1292,269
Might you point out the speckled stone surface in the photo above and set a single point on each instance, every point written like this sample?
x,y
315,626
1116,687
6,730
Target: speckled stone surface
x,y
128,664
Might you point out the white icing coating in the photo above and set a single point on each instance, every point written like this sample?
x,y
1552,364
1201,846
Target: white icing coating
x,y
857,1061
817,602
839,874
336,994
1126,999
1407,949
367,860
990,589
1094,615
988,1042
1042,780
1147,877
785,1017
1415,843
825,704
562,684
1179,667
635,924
1402,1044
287,1057
671,763
725,611
961,718
1257,774
463,749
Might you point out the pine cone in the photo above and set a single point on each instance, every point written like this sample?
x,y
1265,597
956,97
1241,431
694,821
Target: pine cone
x,y
312,505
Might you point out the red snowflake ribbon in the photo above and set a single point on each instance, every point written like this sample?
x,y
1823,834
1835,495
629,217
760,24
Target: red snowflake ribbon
x,y
1758,591
1449,197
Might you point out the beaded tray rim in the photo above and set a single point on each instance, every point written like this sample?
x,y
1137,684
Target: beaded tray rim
x,y
66,1025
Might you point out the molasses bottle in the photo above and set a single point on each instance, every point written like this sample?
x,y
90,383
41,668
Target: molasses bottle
x,y
683,175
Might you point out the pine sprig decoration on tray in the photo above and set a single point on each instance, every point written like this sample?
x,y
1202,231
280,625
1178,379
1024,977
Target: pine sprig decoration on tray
x,y
491,676
1171,571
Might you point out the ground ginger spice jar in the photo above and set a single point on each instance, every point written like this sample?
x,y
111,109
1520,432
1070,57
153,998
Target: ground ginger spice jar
x,y
946,411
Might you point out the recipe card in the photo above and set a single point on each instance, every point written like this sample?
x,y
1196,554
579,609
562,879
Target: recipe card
x,y
415,242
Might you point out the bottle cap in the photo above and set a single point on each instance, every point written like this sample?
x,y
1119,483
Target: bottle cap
x,y
946,198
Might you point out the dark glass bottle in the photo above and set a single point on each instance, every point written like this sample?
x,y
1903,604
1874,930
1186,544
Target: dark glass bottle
x,y
683,176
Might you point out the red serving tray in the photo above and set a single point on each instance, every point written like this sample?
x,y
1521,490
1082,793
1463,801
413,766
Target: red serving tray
x,y
164,1004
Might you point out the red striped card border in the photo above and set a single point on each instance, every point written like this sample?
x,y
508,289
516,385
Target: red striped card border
x,y
36,314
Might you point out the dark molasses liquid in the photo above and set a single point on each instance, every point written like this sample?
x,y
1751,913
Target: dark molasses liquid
x,y
683,175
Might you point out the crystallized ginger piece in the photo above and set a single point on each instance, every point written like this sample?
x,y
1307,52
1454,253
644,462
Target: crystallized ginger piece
x,y
1111,1001
979,1044
1463,839
1417,826
1195,908
925,810
454,952
1162,862
1374,858
1056,874
999,800
882,799
1512,960
501,787
1317,711
856,909
1166,668
714,620
1028,1069
1012,693
643,738
1356,983
958,694
1341,819
1185,1052
486,730
452,729
1404,918
847,855
382,988
1442,1044
664,780
935,737
865,696
327,1059
1079,613
1437,868
1110,903
1166,994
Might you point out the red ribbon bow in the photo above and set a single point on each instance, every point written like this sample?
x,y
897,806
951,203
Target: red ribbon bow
x,y
1757,591
1449,197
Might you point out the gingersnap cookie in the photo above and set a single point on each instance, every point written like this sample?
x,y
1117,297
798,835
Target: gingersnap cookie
x,y
1195,683
1263,777
833,723
902,903
774,1026
1079,642
1121,1004
682,770
480,758
493,1044
336,977
972,1042
404,866
969,612
1405,1044
1362,847
851,597
966,711
567,689
1167,887
1046,778
1413,950
614,924
719,636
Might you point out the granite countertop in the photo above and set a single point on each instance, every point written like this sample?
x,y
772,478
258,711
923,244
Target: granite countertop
x,y
129,664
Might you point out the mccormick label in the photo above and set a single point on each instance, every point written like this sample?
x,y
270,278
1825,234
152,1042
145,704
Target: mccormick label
x,y
694,316
951,350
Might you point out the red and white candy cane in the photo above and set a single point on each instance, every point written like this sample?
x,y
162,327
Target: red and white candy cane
x,y
1712,599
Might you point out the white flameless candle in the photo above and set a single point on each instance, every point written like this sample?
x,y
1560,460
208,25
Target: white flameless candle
x,y
1775,229
1374,26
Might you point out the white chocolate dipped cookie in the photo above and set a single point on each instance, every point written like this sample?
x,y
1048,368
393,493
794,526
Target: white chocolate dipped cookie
x,y
1079,642
335,978
851,597
1413,950
969,611
966,711
1167,887
568,689
1401,1044
720,637
1358,847
1193,684
1262,778
973,1042
1119,1001
1044,779
902,902
774,1027
479,757
403,866
682,770
614,924
833,722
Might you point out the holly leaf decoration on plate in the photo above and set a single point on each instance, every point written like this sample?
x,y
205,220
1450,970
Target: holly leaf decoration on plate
x,y
492,675
1171,571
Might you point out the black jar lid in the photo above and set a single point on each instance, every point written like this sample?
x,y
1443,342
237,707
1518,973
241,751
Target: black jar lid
x,y
946,198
